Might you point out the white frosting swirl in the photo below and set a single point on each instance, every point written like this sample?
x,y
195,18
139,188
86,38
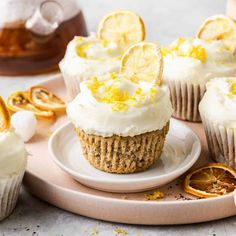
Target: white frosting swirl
x,y
12,154
219,102
86,57
219,61
120,107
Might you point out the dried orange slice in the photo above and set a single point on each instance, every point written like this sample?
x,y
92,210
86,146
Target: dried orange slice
x,y
143,62
122,27
5,119
219,27
45,100
212,180
19,101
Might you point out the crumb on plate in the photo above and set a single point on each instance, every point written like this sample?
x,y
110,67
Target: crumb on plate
x,y
154,196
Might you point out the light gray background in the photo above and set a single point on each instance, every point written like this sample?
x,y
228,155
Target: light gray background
x,y
165,20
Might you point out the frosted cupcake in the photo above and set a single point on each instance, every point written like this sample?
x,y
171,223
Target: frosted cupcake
x,y
189,65
12,164
218,113
100,54
122,121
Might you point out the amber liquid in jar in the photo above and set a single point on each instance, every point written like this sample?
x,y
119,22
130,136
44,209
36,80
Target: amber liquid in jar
x,y
24,53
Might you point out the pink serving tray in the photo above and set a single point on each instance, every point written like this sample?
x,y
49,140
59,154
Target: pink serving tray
x,y
48,182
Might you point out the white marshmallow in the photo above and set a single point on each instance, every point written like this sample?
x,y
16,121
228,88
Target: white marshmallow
x,y
25,124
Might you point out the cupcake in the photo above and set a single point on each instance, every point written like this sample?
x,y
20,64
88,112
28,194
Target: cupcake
x,y
100,54
189,64
12,164
218,112
122,120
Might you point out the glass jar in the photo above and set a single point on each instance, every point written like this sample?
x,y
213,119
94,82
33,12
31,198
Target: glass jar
x,y
34,34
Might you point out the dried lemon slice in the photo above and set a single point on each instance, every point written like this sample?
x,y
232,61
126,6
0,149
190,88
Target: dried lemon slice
x,y
46,100
219,27
212,180
19,101
143,62
122,27
5,119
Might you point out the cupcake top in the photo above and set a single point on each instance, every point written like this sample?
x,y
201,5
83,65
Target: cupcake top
x,y
84,55
101,53
219,102
115,105
195,60
12,153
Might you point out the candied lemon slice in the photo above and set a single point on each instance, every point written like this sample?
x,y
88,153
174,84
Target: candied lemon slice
x,y
45,100
19,101
5,119
212,180
219,27
122,27
143,62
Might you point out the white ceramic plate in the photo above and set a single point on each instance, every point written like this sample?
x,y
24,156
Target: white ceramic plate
x,y
181,151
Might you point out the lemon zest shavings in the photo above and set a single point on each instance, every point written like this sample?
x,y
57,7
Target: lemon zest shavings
x,y
113,75
79,39
194,51
120,232
104,43
94,232
233,88
81,49
95,84
119,99
154,196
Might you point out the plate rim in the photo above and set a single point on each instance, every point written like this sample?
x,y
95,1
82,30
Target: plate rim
x,y
72,172
138,202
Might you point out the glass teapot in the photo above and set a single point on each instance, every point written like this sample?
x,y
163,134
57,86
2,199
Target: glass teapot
x,y
34,34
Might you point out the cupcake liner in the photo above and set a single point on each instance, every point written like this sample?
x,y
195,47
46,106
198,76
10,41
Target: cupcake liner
x,y
72,83
221,142
123,155
185,99
9,192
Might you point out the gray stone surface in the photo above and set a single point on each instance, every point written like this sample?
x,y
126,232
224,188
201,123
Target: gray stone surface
x,y
165,20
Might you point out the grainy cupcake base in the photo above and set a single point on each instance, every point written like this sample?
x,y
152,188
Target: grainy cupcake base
x,y
123,155
9,192
185,99
221,142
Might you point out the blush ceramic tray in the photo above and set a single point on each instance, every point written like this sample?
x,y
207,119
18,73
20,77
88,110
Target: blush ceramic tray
x,y
47,181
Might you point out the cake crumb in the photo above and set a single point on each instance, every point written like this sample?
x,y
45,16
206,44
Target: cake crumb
x,y
154,196
120,232
49,133
124,197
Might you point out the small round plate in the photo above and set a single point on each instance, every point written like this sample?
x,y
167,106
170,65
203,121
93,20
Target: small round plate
x,y
182,149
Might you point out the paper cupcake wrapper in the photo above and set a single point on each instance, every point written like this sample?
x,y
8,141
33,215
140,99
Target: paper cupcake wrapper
x,y
185,99
72,83
121,155
221,142
9,192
